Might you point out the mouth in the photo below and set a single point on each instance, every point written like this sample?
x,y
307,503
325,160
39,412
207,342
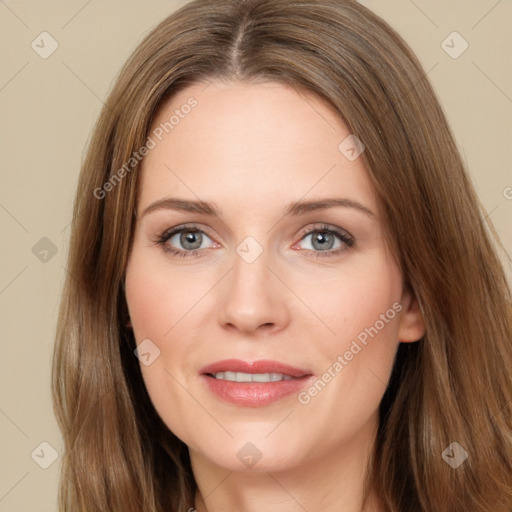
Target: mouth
x,y
250,377
253,384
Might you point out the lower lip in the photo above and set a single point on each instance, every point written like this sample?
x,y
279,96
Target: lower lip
x,y
255,394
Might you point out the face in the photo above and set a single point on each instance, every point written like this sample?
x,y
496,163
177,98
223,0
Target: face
x,y
259,282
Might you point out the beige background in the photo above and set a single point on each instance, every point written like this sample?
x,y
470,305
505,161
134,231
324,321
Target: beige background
x,y
47,110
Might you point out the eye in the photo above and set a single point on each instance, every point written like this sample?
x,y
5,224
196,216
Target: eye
x,y
188,239
327,240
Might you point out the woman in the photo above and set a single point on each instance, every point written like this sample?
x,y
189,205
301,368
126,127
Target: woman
x,y
337,334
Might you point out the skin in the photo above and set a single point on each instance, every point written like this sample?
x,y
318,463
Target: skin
x,y
252,149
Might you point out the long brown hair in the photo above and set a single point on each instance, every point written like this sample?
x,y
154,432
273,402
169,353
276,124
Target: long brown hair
x,y
453,385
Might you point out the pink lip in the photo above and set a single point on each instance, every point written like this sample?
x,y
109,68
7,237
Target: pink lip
x,y
254,394
262,366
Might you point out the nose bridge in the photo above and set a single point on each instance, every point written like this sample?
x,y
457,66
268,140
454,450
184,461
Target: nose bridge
x,y
250,279
252,297
250,269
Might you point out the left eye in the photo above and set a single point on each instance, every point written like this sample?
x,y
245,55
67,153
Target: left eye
x,y
323,240
327,241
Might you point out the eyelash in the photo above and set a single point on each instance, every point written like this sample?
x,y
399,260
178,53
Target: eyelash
x,y
342,235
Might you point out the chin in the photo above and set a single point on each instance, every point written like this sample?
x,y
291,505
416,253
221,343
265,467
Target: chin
x,y
249,454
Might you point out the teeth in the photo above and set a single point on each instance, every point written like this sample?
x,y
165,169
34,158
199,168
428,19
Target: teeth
x,y
251,377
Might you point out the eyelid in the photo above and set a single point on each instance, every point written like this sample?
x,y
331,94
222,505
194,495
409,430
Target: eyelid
x,y
321,226
183,227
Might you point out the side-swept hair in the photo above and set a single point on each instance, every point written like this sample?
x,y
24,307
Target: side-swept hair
x,y
452,385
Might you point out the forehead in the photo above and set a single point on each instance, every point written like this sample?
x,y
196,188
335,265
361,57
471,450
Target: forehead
x,y
227,141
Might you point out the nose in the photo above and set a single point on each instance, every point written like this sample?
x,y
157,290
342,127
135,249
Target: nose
x,y
253,298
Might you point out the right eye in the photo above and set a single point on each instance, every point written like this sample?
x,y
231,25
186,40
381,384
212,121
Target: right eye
x,y
190,238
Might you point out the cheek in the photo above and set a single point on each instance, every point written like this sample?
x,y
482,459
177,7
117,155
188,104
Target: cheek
x,y
361,310
353,302
158,303
150,307
157,298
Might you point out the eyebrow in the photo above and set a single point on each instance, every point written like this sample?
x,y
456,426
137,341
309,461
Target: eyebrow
x,y
295,208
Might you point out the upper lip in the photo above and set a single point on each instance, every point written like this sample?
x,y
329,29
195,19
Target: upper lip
x,y
261,366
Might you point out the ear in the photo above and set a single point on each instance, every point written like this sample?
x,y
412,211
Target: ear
x,y
411,326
